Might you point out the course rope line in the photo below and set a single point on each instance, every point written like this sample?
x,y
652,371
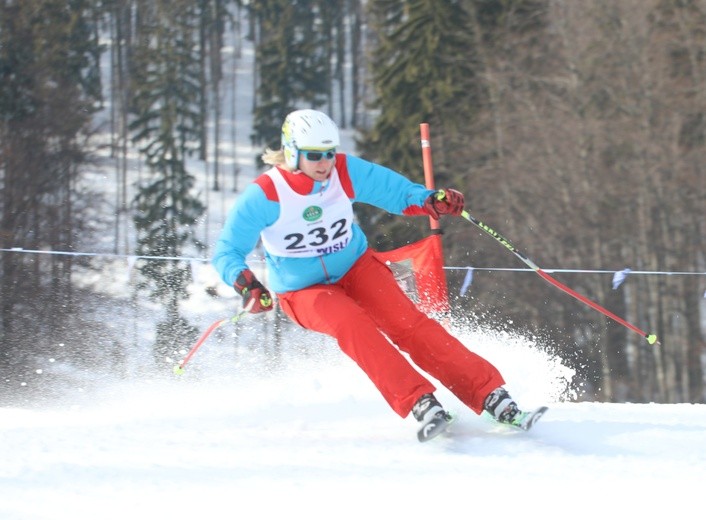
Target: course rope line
x,y
450,268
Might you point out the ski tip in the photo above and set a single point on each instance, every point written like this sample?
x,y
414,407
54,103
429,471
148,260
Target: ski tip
x,y
533,417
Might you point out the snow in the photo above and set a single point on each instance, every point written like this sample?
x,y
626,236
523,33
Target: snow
x,y
306,435
313,438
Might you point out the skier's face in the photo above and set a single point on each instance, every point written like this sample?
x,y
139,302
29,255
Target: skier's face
x,y
317,164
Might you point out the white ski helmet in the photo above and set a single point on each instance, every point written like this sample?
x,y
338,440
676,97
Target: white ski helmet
x,y
307,130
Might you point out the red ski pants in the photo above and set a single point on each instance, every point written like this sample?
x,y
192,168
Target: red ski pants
x,y
364,309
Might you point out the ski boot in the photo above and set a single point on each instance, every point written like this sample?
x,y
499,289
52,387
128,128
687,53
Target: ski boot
x,y
432,417
504,409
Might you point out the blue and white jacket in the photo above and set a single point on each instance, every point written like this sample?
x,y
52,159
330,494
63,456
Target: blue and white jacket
x,y
258,208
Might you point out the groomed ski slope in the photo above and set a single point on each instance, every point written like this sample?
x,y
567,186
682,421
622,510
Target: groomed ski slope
x,y
312,439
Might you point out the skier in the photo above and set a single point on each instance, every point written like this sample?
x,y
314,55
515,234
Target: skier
x,y
328,279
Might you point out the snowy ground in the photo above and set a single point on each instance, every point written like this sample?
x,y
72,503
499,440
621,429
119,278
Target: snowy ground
x,y
313,439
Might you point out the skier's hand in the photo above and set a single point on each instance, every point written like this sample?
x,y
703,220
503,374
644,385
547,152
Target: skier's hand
x,y
255,297
444,202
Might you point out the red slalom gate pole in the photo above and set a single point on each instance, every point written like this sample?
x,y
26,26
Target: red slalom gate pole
x,y
428,167
436,296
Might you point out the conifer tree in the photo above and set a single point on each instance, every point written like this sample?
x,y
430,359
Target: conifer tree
x,y
293,66
424,70
167,129
49,89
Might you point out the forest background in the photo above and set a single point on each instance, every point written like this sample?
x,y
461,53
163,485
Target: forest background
x,y
577,129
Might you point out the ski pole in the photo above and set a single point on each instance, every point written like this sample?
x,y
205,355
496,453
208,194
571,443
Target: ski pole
x,y
179,369
651,338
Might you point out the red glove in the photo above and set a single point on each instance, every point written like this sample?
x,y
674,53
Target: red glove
x,y
444,202
255,297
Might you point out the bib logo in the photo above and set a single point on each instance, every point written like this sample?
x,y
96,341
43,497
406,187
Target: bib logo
x,y
312,213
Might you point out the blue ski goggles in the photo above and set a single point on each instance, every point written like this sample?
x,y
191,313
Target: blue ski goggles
x,y
313,156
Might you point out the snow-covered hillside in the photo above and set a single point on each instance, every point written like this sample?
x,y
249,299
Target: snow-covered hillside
x,y
243,434
313,439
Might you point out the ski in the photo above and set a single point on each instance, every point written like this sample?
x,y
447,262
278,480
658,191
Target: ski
x,y
438,424
529,419
441,421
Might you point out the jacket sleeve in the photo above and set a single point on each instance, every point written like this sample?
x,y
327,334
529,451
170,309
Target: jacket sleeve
x,y
385,188
251,213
